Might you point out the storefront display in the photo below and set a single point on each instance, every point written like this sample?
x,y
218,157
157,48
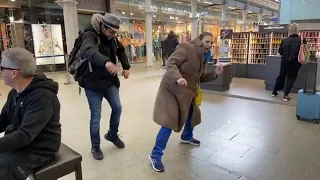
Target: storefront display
x,y
313,40
253,48
3,37
239,48
135,48
48,45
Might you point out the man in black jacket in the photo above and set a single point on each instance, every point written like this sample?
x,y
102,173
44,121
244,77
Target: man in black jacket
x,y
289,50
101,48
30,118
169,45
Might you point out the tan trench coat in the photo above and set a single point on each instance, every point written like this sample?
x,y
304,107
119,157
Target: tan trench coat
x,y
173,101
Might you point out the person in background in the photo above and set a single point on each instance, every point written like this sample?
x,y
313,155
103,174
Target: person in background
x,y
30,118
163,54
175,106
101,48
169,45
289,50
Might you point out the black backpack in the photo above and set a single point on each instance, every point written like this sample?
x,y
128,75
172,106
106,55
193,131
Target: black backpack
x,y
76,63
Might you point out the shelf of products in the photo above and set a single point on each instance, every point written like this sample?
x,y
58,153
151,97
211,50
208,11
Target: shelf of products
x,y
3,37
239,48
276,41
260,44
313,40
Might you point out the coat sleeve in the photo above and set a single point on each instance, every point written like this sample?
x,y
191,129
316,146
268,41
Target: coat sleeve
x,y
3,118
122,56
37,114
176,42
208,77
281,48
90,51
175,60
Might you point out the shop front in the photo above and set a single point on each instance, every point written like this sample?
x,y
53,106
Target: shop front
x,y
37,26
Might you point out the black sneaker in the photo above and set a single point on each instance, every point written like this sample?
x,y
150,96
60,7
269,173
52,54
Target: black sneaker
x,y
156,164
274,94
115,140
97,153
287,98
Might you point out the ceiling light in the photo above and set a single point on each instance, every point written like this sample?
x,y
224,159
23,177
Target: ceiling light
x,y
176,17
154,15
131,14
123,13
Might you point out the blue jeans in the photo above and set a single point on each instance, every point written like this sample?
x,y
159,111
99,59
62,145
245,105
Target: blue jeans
x,y
95,100
164,135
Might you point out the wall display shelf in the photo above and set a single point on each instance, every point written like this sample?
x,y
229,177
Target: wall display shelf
x,y
313,40
260,44
239,48
256,47
239,54
276,41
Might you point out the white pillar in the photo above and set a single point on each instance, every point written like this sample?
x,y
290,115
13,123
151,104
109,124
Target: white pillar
x,y
194,20
165,27
224,21
70,16
260,18
112,6
244,21
149,14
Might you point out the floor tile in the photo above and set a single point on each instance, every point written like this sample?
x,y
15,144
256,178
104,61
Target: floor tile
x,y
267,142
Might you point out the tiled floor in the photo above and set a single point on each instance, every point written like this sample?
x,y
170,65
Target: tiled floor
x,y
241,139
254,89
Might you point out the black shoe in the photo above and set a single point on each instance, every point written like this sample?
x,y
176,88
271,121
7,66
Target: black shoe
x,y
97,153
287,98
274,94
115,140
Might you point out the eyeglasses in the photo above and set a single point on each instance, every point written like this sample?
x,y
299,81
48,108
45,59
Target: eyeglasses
x,y
5,68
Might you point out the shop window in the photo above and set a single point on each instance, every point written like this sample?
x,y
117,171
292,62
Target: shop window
x,y
37,26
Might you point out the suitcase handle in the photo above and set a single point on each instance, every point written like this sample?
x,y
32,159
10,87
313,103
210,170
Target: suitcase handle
x,y
315,78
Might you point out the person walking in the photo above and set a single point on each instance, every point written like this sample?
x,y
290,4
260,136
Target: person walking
x,y
175,105
101,48
289,50
169,46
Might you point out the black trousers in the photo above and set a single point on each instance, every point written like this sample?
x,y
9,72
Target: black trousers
x,y
288,75
18,166
164,58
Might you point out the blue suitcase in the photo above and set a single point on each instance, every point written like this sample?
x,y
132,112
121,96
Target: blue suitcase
x,y
308,105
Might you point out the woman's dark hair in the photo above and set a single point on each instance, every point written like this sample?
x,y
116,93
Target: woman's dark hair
x,y
204,34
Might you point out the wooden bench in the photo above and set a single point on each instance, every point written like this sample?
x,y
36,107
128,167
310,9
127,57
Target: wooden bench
x,y
67,161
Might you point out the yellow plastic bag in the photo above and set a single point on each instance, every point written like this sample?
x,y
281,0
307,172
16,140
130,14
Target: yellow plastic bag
x,y
198,96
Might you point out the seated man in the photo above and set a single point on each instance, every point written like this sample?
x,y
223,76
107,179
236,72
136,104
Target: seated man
x,y
30,118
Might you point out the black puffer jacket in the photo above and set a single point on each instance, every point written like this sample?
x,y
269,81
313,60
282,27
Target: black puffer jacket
x,y
170,44
98,50
290,47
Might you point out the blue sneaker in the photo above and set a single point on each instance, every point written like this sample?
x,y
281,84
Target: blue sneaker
x,y
156,164
191,141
